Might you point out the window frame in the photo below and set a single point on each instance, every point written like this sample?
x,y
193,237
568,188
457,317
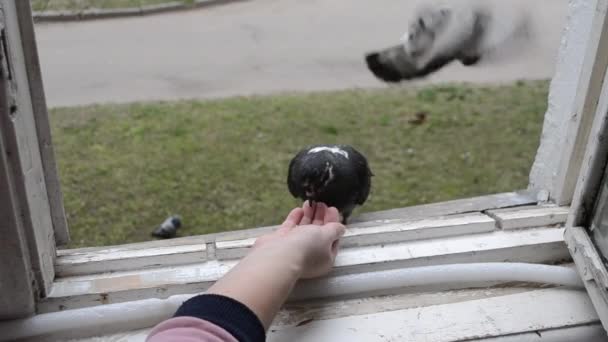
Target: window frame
x,y
36,208
580,235
15,255
24,168
43,128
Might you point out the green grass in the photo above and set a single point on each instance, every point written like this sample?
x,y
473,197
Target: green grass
x,y
79,5
222,164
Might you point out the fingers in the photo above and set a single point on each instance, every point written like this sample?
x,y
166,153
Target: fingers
x,y
308,214
319,214
331,215
333,232
293,219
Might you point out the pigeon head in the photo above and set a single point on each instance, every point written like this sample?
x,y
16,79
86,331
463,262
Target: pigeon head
x,y
316,177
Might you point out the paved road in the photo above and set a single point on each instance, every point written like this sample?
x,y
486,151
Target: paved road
x,y
253,47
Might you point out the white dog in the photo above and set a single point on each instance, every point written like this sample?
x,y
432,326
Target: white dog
x,y
443,31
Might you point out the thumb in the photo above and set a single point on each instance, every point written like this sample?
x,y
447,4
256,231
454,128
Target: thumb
x,y
333,231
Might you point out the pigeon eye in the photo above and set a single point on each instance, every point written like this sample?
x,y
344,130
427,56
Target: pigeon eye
x,y
421,23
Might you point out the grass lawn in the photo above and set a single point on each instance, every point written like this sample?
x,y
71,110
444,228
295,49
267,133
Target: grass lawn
x,y
78,5
222,164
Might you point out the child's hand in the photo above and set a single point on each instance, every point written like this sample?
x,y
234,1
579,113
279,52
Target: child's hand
x,y
305,246
309,236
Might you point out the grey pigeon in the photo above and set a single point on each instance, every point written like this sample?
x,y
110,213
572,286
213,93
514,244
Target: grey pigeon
x,y
168,229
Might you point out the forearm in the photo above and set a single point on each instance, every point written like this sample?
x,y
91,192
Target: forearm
x,y
260,282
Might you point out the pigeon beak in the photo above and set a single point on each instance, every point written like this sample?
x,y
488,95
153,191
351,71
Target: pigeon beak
x,y
310,200
309,195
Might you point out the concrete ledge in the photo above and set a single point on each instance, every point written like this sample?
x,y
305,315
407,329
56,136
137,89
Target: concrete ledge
x,y
96,13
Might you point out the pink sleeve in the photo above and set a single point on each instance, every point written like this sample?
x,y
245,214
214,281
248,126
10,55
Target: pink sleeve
x,y
188,329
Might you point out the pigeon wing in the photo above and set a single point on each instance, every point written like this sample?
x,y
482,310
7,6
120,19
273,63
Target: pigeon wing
x,y
363,172
294,165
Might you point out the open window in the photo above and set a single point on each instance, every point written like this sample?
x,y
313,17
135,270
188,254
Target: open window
x,y
32,208
49,285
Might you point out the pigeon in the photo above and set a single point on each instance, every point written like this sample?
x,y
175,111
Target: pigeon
x,y
440,32
337,175
168,229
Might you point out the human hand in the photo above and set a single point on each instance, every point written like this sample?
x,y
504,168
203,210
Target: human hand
x,y
308,237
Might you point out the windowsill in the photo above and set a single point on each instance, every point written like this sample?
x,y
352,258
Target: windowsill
x,y
192,249
438,233
498,228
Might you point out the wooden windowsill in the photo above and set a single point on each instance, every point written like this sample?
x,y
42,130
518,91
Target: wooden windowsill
x,y
90,277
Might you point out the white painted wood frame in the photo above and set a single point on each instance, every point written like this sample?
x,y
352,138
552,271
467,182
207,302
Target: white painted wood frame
x,y
17,297
586,102
373,246
43,129
21,150
392,231
196,249
506,315
573,99
589,155
591,269
531,216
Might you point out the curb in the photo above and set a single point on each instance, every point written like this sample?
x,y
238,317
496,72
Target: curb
x,y
95,13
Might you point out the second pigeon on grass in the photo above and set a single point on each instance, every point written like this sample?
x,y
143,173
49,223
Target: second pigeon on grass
x,y
337,175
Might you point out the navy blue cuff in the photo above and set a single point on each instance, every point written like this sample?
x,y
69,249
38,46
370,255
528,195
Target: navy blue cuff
x,y
227,313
